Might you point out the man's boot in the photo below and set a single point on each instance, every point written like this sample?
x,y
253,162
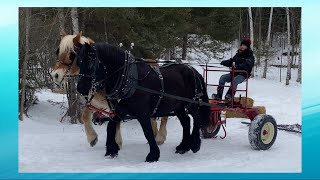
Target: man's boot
x,y
218,96
228,96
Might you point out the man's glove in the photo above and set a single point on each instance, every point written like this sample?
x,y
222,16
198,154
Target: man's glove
x,y
223,63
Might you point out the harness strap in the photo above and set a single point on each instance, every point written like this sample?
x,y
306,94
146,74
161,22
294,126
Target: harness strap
x,y
174,96
157,70
121,90
197,81
89,100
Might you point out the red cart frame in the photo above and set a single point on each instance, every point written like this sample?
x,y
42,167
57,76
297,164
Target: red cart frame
x,y
216,112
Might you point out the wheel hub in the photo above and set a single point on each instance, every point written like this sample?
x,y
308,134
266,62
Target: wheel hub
x,y
267,133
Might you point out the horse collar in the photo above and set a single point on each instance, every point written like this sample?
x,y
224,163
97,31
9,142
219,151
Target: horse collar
x,y
124,87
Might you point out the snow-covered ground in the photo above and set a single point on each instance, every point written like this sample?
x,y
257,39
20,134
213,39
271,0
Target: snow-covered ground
x,y
46,145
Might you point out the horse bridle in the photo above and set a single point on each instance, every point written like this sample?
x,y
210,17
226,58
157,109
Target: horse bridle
x,y
72,57
94,63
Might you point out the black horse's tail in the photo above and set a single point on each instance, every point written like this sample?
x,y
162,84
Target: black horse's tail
x,y
202,88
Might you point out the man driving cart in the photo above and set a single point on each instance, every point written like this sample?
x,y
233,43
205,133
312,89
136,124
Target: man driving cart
x,y
243,60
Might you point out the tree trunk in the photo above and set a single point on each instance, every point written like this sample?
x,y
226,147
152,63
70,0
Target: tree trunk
x,y
75,20
83,22
25,61
172,53
251,33
105,29
299,65
73,101
289,44
240,25
73,96
251,28
61,19
259,41
293,41
268,45
168,57
184,47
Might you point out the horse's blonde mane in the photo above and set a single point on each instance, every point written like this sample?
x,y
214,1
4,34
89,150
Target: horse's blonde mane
x,y
66,44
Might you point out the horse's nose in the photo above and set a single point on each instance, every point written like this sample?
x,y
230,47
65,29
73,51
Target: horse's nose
x,y
56,75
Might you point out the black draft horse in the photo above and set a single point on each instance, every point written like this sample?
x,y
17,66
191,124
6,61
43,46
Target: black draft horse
x,y
110,66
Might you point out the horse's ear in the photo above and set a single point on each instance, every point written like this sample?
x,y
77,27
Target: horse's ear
x,y
76,40
63,34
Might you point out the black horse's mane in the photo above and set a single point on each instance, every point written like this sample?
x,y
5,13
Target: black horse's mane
x,y
110,54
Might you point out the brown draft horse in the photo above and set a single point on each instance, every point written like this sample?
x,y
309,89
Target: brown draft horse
x,y
66,67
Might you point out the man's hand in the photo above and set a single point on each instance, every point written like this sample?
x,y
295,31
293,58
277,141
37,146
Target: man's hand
x,y
223,63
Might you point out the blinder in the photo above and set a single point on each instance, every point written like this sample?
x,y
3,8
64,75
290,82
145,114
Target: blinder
x,y
72,56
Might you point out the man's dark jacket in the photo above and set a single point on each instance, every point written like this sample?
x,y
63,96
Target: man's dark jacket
x,y
243,61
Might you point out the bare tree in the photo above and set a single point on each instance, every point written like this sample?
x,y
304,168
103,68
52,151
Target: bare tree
x,y
24,67
251,32
293,35
240,24
105,29
259,40
73,96
251,27
289,45
293,40
61,18
299,65
75,20
268,45
184,46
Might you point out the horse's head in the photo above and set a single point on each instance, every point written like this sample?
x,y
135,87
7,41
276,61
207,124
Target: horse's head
x,y
66,64
88,64
95,61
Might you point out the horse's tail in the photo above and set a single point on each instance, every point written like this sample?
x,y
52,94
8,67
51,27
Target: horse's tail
x,y
204,110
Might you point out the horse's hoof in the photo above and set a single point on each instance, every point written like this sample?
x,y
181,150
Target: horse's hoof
x,y
120,145
150,160
182,151
160,142
112,152
182,148
111,156
152,157
160,139
196,147
94,142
